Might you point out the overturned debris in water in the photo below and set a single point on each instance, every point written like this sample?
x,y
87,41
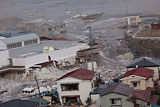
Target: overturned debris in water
x,y
92,17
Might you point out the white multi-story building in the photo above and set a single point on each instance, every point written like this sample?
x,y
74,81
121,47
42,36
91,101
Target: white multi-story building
x,y
75,86
4,55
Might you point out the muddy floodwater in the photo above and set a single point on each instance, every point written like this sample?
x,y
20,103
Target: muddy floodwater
x,y
55,9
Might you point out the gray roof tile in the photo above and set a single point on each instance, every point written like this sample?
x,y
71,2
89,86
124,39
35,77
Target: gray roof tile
x,y
144,62
120,88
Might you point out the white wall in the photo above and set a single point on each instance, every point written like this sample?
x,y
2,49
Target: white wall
x,y
18,61
2,46
67,52
31,60
36,59
4,56
84,88
96,99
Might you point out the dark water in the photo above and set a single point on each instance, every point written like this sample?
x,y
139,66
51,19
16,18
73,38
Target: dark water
x,y
55,9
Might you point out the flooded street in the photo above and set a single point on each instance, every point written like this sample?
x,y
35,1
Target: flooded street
x,y
107,28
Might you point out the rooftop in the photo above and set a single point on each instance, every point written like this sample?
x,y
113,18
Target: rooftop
x,y
144,62
143,72
82,74
16,39
38,48
28,89
120,88
154,99
61,39
98,91
36,99
144,95
19,103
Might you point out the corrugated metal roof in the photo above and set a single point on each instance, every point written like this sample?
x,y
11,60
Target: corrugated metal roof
x,y
20,38
4,35
120,88
38,48
144,62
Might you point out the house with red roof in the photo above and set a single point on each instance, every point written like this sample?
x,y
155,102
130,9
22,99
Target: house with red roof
x,y
139,78
146,62
74,87
122,95
143,98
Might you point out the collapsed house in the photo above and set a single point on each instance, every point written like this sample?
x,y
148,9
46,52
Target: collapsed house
x,y
92,17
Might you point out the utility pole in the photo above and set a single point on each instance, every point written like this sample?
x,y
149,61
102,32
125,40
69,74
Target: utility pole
x,y
91,43
39,97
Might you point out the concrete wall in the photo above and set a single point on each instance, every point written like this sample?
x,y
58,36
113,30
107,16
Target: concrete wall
x,y
96,99
35,59
85,88
145,46
131,20
18,61
106,102
4,58
29,61
2,46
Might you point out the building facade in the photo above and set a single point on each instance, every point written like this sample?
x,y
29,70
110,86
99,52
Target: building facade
x,y
116,95
139,78
148,63
75,87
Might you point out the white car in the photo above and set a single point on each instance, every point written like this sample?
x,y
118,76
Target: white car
x,y
28,91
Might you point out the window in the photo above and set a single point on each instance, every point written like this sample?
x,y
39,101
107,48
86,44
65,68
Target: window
x,y
29,42
70,87
71,100
49,29
14,45
136,84
116,102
